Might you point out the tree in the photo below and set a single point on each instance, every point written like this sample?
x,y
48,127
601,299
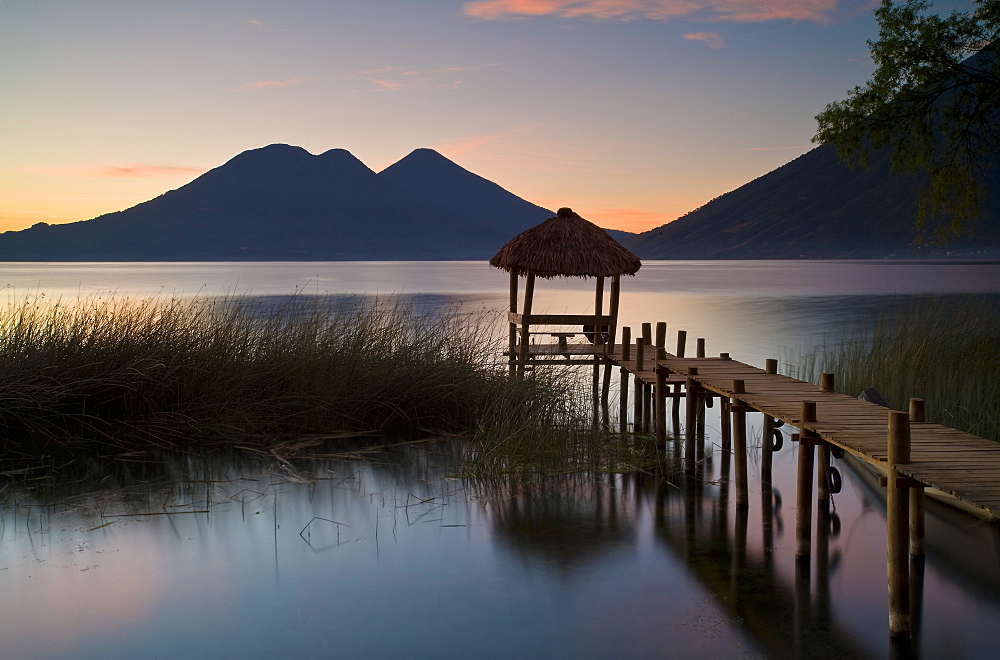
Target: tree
x,y
933,101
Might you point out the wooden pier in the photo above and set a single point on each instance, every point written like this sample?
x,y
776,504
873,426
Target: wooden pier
x,y
915,454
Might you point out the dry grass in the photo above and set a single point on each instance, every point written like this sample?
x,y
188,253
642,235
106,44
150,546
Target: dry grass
x,y
118,375
944,349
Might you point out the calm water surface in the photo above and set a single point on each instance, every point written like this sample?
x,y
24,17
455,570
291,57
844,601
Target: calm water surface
x,y
393,555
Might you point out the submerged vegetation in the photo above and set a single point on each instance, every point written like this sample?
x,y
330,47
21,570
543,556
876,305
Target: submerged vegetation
x,y
121,377
944,349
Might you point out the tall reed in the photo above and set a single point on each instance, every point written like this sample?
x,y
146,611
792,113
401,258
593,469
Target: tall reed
x,y
944,349
110,375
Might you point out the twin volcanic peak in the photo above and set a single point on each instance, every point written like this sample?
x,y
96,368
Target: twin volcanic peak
x,y
282,203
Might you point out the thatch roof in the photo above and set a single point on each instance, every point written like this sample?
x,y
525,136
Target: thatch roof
x,y
566,246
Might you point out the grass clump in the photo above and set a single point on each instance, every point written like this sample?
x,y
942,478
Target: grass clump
x,y
122,375
944,349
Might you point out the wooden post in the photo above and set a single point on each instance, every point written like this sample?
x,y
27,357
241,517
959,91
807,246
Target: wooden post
x,y
612,334
917,494
623,402
512,363
767,432
623,394
700,347
803,491
529,292
740,446
897,532
661,334
826,383
725,421
661,404
681,340
691,420
647,333
637,416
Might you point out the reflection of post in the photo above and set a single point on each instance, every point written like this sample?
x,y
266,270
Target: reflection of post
x,y
803,493
740,446
767,520
691,421
897,534
739,556
803,521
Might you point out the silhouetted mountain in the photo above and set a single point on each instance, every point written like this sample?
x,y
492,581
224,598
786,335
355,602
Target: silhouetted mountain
x,y
440,182
282,203
817,207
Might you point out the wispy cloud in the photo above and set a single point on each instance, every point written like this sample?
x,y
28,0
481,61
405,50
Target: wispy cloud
x,y
270,84
255,22
710,39
393,79
458,146
125,170
737,11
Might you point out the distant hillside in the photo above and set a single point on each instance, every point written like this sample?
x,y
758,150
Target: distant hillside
x,y
282,203
816,207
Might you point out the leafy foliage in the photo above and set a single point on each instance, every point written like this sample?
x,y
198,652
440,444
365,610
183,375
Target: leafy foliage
x,y
934,100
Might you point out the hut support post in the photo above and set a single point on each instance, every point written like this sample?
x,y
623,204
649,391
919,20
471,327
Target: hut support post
x,y
512,340
529,293
897,533
616,284
600,403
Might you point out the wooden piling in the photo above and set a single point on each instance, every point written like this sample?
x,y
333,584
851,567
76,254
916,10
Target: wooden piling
x,y
767,432
803,491
691,420
647,333
661,404
661,334
740,445
700,347
681,341
623,393
826,383
897,530
917,528
637,412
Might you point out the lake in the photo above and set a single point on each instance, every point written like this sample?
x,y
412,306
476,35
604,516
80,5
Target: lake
x,y
390,554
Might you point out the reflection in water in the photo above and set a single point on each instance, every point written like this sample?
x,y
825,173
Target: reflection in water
x,y
387,554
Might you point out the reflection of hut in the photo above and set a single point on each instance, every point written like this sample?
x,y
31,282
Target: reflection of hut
x,y
565,523
563,246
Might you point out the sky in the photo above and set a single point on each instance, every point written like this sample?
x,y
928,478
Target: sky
x,y
632,112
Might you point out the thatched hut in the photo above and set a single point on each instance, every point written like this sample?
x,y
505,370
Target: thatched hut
x,y
564,246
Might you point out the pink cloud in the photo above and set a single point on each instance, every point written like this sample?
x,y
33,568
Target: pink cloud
x,y
128,170
453,148
711,39
391,79
737,11
270,84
